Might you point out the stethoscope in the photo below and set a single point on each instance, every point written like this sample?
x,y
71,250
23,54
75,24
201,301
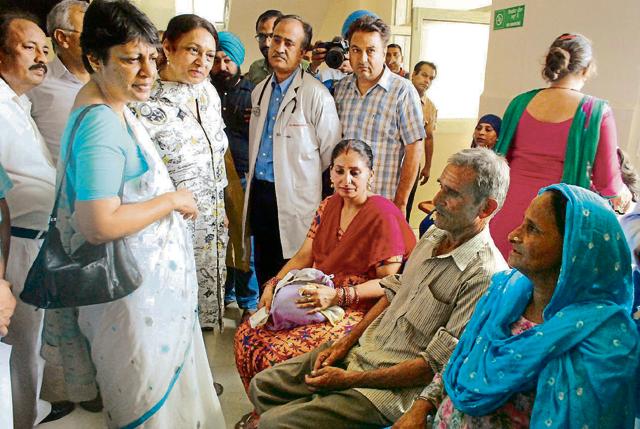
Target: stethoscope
x,y
256,110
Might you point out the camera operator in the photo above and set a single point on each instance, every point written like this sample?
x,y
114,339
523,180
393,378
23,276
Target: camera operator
x,y
319,52
338,61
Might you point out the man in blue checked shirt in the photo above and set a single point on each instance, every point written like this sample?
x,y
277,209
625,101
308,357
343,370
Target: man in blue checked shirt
x,y
383,109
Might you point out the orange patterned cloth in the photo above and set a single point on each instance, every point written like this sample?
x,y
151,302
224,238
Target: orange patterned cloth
x,y
260,348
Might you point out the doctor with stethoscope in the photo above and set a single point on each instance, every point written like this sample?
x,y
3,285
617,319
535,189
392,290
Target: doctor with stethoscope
x,y
293,129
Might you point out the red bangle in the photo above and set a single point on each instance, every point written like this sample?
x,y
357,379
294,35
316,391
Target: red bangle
x,y
272,282
348,297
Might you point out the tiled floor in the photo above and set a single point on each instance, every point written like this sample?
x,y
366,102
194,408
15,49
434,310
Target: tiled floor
x,y
220,352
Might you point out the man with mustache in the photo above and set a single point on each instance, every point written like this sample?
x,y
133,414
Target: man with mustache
x,y
394,60
52,100
24,155
423,76
377,372
235,94
261,68
293,129
383,109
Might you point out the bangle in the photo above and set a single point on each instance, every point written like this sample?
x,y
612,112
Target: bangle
x,y
349,297
271,283
341,297
356,298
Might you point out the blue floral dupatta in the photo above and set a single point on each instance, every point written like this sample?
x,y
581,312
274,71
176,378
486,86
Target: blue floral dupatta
x,y
582,359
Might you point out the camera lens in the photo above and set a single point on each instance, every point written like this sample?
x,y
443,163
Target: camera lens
x,y
334,58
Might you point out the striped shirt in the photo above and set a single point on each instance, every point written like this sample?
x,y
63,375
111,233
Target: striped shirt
x,y
387,117
430,304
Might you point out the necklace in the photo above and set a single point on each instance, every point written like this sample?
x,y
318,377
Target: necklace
x,y
564,87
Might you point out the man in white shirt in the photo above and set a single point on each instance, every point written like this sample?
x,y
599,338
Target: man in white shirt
x,y
25,157
52,100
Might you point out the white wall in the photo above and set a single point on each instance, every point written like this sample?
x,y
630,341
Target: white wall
x,y
159,11
516,55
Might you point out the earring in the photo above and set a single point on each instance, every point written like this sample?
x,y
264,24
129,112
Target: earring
x,y
331,185
369,186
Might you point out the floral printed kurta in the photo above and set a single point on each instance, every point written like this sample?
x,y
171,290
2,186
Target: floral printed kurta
x,y
514,414
185,123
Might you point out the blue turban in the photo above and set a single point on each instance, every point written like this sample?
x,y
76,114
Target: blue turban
x,y
232,46
353,17
492,120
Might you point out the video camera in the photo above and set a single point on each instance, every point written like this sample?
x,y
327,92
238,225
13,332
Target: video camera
x,y
337,49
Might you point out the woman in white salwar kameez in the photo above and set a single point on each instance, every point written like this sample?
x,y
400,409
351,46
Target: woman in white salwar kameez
x,y
184,119
147,348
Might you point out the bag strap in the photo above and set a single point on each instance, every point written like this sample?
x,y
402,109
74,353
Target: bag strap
x,y
54,212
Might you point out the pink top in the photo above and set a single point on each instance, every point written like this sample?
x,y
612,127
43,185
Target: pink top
x,y
536,159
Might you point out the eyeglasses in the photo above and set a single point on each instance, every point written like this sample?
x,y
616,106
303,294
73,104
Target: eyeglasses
x,y
262,37
70,30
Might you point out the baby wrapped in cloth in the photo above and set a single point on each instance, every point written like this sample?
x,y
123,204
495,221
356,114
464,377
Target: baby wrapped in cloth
x,y
285,313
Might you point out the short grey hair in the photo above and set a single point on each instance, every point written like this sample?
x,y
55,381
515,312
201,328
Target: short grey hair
x,y
492,173
59,16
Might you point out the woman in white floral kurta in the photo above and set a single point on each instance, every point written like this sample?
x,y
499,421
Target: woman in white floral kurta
x,y
184,120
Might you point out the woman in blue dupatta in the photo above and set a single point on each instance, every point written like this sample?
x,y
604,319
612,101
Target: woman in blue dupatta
x,y
552,343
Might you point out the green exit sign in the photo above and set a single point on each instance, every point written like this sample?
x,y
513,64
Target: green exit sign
x,y
508,18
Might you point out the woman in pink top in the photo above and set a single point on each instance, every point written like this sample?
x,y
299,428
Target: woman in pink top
x,y
558,134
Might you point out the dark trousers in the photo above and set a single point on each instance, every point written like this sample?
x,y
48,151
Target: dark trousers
x,y
412,196
263,217
284,401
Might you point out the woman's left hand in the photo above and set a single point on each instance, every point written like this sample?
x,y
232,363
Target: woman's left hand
x,y
622,202
317,298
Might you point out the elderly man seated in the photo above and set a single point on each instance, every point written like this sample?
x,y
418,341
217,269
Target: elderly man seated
x,y
370,377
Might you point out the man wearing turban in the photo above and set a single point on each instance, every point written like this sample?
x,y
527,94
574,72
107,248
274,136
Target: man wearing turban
x,y
235,94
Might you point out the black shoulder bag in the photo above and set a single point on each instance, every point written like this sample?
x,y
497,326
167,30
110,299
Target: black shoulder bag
x,y
90,275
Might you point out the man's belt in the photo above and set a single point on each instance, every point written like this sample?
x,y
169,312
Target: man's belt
x,y
32,234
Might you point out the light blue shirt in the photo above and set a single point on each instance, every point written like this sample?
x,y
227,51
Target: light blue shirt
x,y
264,163
103,153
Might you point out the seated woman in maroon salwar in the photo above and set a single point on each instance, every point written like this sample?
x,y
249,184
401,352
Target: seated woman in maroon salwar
x,y
358,237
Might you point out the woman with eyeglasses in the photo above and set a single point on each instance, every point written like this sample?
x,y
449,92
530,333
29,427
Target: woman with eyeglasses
x,y
184,119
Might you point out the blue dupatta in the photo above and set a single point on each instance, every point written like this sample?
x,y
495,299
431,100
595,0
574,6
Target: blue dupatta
x,y
582,359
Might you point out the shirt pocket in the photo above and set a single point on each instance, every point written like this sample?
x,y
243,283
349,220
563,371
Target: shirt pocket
x,y
429,310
